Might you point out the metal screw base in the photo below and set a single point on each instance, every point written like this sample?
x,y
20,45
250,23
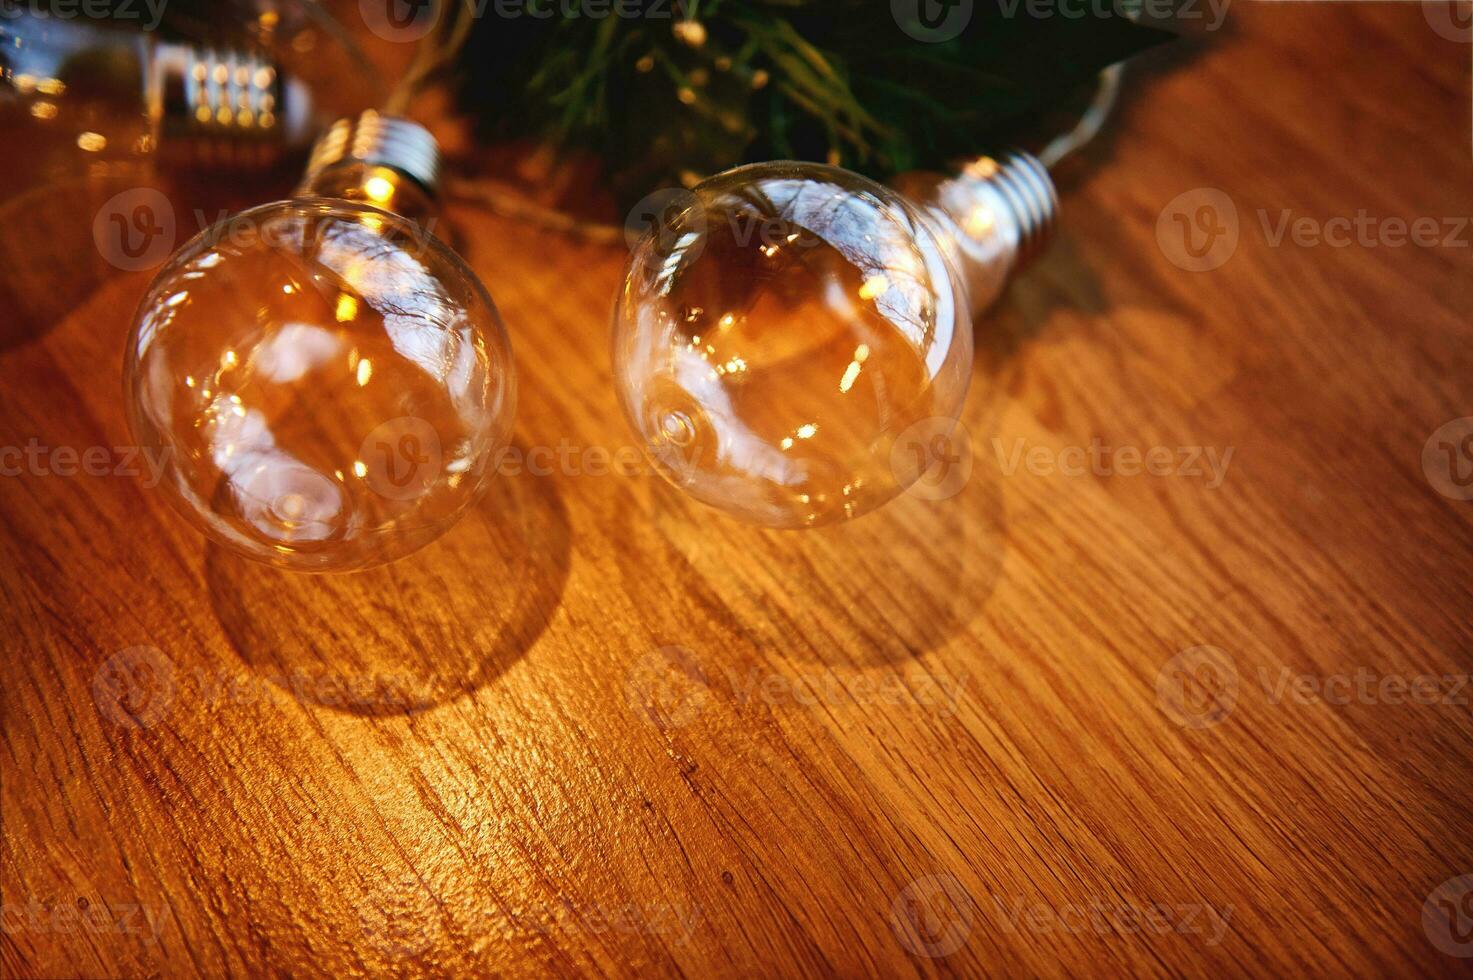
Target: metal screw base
x,y
1025,184
379,141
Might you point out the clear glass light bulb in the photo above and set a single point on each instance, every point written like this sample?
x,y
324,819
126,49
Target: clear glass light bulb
x,y
784,327
327,384
89,99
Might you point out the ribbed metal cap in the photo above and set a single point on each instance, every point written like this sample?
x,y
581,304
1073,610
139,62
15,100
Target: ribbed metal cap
x,y
1025,184
379,141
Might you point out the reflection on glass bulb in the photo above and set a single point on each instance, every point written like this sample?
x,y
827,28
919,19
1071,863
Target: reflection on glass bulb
x,y
777,335
328,383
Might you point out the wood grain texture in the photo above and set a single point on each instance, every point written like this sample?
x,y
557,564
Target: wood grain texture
x,y
597,730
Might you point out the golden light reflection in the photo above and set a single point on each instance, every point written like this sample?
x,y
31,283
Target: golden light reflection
x,y
347,308
365,372
92,142
875,285
291,506
379,190
359,470
979,222
982,168
44,110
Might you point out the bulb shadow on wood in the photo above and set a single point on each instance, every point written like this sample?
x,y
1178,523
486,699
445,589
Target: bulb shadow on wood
x,y
414,634
63,239
890,585
47,248
881,589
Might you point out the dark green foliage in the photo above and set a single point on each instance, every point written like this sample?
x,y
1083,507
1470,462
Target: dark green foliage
x,y
837,80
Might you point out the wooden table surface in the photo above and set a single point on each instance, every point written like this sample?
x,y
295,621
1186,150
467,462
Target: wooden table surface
x,y
1084,716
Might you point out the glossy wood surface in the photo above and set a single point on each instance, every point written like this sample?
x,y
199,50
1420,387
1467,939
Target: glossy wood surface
x,y
596,730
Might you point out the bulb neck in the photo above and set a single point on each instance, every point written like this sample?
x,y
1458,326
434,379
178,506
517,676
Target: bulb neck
x,y
224,107
993,218
388,162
